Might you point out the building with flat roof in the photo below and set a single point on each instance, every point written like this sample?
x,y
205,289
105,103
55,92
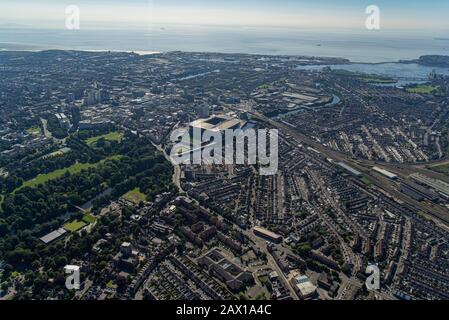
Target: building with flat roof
x,y
349,169
267,235
63,121
304,287
438,185
386,173
235,277
418,192
54,235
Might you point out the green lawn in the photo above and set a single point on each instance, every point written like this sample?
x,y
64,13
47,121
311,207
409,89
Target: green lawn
x,y
370,78
110,284
377,79
74,169
134,196
43,178
112,136
423,89
75,225
88,218
35,131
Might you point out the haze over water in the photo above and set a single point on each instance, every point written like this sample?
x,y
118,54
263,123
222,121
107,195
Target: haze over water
x,y
358,46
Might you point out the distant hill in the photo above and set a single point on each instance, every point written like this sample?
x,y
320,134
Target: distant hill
x,y
434,61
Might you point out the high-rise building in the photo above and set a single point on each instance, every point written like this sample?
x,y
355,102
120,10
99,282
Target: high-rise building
x,y
203,111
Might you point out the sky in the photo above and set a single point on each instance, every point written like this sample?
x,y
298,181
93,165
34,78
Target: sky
x,y
326,14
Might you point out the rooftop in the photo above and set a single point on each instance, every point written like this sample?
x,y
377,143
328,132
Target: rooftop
x,y
52,236
218,123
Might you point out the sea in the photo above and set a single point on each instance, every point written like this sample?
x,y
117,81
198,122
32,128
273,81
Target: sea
x,y
359,46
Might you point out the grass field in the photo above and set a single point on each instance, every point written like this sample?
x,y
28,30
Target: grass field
x,y
134,196
36,131
370,78
74,169
88,218
112,136
74,226
423,89
376,79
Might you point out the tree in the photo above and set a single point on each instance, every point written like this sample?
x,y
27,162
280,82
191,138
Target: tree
x,y
19,256
3,228
304,249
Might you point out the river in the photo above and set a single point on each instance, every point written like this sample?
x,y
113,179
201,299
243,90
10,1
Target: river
x,y
404,73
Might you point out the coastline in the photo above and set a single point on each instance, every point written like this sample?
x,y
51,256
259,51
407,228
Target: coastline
x,y
139,52
150,52
344,61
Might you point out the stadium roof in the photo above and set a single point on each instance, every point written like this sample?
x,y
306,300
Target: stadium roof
x,y
218,123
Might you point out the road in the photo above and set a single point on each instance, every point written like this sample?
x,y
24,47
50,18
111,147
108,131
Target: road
x,y
176,178
47,133
347,252
262,245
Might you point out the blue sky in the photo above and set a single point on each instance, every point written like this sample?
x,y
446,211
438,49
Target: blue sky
x,y
335,14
